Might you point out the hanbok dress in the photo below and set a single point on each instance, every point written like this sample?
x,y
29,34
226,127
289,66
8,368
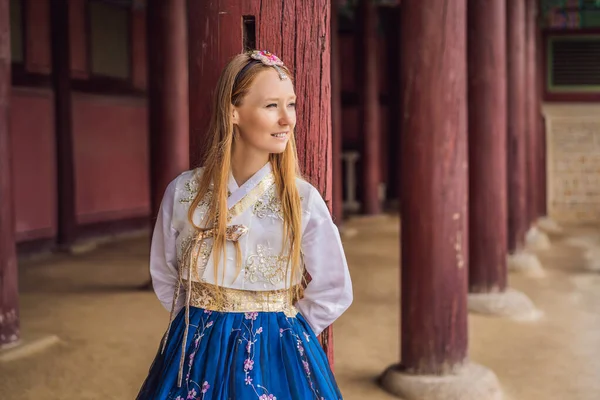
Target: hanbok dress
x,y
257,342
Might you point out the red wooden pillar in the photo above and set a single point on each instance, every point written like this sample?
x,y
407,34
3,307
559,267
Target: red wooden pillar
x,y
391,23
167,94
367,62
9,292
298,32
518,221
63,122
533,111
542,188
336,117
487,146
434,186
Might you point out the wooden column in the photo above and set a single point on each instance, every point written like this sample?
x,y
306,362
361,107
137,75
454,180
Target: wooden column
x,y
542,183
487,146
434,183
167,94
367,69
63,123
336,119
9,291
391,23
518,221
533,112
298,32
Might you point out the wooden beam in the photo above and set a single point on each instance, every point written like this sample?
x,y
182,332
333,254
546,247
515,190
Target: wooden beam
x,y
63,123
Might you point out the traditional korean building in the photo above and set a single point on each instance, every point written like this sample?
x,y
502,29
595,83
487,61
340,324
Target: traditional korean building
x,y
473,120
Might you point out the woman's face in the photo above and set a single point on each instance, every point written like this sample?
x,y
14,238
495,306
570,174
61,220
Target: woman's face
x,y
267,115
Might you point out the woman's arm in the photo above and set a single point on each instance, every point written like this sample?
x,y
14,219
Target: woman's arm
x,y
163,253
329,292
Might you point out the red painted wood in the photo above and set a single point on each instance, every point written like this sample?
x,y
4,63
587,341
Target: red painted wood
x,y
63,120
34,163
77,37
367,60
434,186
167,95
533,111
336,117
518,222
139,56
543,183
487,146
9,292
98,123
391,23
298,32
541,155
37,37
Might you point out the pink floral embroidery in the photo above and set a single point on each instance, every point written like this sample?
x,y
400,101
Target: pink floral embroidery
x,y
306,367
300,347
205,387
267,397
248,364
192,393
252,315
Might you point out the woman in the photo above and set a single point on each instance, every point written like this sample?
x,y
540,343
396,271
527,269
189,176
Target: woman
x,y
231,244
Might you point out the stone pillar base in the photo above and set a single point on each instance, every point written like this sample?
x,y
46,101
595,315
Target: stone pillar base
x,y
549,225
592,259
536,239
510,303
526,263
27,347
471,382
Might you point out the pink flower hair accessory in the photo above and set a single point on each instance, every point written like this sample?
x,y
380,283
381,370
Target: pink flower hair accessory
x,y
271,60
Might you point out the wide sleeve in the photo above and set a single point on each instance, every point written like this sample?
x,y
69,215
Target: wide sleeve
x,y
163,252
329,292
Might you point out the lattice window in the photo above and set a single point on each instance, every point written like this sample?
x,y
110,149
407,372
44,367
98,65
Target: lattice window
x,y
573,64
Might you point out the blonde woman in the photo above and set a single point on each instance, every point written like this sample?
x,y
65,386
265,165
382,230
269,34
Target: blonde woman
x,y
230,249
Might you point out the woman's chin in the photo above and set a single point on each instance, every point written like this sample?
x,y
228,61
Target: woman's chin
x,y
278,149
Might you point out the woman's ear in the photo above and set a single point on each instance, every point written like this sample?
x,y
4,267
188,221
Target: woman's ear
x,y
235,116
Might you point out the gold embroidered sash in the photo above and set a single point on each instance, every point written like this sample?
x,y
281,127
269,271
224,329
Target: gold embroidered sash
x,y
204,295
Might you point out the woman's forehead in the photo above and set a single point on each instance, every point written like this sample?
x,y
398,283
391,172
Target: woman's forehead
x,y
268,84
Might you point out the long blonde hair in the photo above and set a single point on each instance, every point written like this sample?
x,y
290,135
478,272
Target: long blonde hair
x,y
231,90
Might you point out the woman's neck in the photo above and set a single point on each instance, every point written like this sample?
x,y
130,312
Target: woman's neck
x,y
244,166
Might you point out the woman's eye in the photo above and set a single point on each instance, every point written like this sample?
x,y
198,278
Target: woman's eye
x,y
292,105
272,105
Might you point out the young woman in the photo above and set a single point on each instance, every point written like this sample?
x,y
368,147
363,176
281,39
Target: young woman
x,y
230,249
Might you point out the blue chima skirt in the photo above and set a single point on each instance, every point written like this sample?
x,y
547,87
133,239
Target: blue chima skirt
x,y
238,356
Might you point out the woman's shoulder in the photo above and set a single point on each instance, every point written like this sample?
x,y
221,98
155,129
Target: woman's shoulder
x,y
184,185
308,193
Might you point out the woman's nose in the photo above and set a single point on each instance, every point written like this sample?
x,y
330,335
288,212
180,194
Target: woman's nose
x,y
286,117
